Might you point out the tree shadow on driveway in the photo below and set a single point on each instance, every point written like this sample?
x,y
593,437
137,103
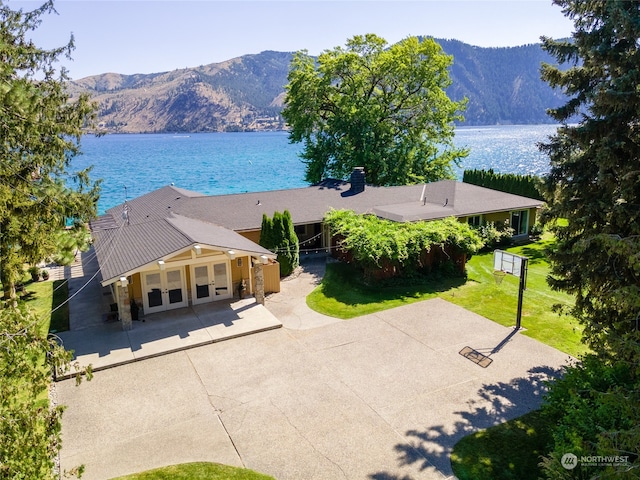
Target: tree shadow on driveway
x,y
495,403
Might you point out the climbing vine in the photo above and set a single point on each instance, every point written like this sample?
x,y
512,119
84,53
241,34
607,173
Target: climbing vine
x,y
401,248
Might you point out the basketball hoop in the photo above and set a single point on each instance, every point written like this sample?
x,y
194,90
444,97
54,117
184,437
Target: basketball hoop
x,y
505,263
499,276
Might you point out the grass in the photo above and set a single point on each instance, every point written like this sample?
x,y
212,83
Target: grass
x,y
509,451
43,297
342,294
197,471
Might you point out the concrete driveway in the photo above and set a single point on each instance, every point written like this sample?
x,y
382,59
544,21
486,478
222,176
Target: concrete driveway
x,y
383,396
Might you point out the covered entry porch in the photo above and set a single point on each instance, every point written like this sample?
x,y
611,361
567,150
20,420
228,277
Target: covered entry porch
x,y
198,276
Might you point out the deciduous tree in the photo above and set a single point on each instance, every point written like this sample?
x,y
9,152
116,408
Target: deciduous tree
x,y
375,106
29,425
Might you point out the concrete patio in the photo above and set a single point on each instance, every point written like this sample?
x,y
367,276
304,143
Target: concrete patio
x,y
105,344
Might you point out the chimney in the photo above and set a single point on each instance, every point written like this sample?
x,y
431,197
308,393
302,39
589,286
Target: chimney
x,y
357,180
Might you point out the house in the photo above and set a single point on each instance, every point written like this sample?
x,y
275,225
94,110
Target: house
x,y
173,247
149,253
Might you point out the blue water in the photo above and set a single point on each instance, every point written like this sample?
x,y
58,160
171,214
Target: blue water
x,y
218,163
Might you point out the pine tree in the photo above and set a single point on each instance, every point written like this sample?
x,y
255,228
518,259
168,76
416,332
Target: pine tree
x,y
593,198
40,131
594,181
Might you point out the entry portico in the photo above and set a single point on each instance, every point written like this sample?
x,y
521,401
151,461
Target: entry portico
x,y
162,261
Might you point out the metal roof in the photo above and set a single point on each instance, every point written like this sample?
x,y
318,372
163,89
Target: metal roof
x,y
123,247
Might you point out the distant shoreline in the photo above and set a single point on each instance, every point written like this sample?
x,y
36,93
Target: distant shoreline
x,y
465,125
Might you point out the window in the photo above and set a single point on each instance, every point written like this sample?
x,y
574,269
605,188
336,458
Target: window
x,y
475,221
520,222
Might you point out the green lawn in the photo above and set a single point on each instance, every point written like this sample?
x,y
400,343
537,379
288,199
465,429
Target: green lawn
x,y
198,471
342,294
509,451
43,297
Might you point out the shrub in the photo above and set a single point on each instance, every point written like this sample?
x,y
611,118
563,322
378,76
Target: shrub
x,y
495,235
34,271
536,229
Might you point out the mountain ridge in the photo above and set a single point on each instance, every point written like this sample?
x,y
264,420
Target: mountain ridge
x,y
246,93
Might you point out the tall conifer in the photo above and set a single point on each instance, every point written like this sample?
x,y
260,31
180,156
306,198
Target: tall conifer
x,y
40,131
593,197
594,182
279,236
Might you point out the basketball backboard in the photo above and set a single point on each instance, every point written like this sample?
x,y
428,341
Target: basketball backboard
x,y
508,262
516,265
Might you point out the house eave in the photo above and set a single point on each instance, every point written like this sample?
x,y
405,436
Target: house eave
x,y
154,263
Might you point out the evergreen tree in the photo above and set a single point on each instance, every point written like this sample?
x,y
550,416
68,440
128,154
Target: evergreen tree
x,y
594,181
40,130
292,251
279,236
266,233
593,197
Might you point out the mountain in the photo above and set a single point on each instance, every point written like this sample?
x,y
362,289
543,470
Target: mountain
x,y
246,93
503,85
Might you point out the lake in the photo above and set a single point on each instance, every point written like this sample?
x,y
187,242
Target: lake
x,y
221,163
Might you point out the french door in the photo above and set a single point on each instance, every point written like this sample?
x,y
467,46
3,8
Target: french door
x,y
520,222
164,290
210,281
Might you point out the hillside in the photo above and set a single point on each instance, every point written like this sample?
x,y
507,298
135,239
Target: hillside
x,y
246,93
502,84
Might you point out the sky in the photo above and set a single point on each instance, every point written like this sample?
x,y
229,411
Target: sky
x,y
152,36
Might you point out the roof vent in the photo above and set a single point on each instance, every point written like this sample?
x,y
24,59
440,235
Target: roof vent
x,y
357,180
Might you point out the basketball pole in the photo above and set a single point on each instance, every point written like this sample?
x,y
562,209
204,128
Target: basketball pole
x,y
523,283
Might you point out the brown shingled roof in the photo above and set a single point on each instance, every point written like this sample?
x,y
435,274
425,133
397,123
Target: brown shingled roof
x,y
241,212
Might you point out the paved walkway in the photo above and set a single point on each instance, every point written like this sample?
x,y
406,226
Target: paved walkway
x,y
384,396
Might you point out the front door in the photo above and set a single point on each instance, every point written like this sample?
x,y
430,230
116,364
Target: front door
x,y
210,281
221,281
203,284
164,290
